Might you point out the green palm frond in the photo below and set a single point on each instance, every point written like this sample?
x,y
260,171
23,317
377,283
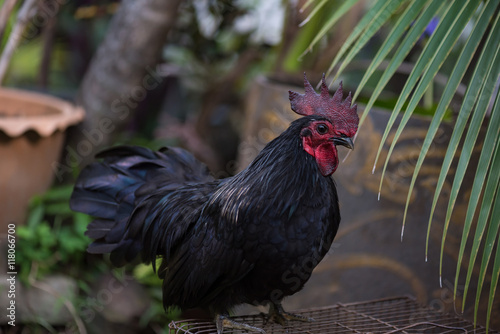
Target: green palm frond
x,y
405,21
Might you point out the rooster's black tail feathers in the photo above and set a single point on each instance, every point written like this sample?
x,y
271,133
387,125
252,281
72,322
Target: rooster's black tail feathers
x,y
112,189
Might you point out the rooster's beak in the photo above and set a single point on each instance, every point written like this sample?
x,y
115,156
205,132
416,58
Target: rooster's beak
x,y
344,141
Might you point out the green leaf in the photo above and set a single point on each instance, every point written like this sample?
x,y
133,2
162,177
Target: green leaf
x,y
307,4
486,207
360,27
25,233
400,54
59,209
489,244
71,243
454,80
473,90
81,221
314,12
490,146
342,10
144,274
437,49
62,193
35,215
295,59
427,65
404,21
487,90
493,285
84,286
372,27
46,236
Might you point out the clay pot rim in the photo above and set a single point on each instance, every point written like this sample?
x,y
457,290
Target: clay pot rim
x,y
45,125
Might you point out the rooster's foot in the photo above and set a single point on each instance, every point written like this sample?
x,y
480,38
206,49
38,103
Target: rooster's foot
x,y
223,321
280,316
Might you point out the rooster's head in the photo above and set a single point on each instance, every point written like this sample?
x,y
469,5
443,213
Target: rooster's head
x,y
336,124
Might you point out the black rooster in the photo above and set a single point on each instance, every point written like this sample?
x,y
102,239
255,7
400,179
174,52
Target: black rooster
x,y
252,238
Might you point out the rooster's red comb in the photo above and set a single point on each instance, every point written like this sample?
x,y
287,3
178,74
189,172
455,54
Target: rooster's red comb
x,y
339,112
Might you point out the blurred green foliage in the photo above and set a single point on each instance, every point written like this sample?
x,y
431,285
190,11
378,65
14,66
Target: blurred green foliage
x,y
53,242
53,237
145,275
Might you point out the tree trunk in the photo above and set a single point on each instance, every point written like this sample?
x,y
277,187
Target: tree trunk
x,y
121,73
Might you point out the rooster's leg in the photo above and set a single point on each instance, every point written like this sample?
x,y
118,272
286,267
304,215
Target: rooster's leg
x,y
280,316
223,321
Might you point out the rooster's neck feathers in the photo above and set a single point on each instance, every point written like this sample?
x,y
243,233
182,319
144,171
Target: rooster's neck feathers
x,y
339,112
279,178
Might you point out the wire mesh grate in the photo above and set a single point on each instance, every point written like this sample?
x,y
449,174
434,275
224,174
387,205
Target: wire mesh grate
x,y
390,315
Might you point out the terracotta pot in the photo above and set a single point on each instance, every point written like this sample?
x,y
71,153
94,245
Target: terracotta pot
x,y
32,128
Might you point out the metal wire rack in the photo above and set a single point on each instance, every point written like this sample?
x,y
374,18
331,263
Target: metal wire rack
x,y
390,315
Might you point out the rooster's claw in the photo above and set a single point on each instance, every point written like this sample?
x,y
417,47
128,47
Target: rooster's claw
x,y
280,316
223,321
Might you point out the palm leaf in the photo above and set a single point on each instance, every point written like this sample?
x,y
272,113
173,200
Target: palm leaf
x,y
487,90
486,208
454,80
314,11
411,38
483,16
496,265
366,30
344,8
372,15
490,146
400,27
471,96
427,65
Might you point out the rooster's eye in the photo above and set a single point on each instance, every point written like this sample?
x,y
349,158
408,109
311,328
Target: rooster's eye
x,y
322,129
